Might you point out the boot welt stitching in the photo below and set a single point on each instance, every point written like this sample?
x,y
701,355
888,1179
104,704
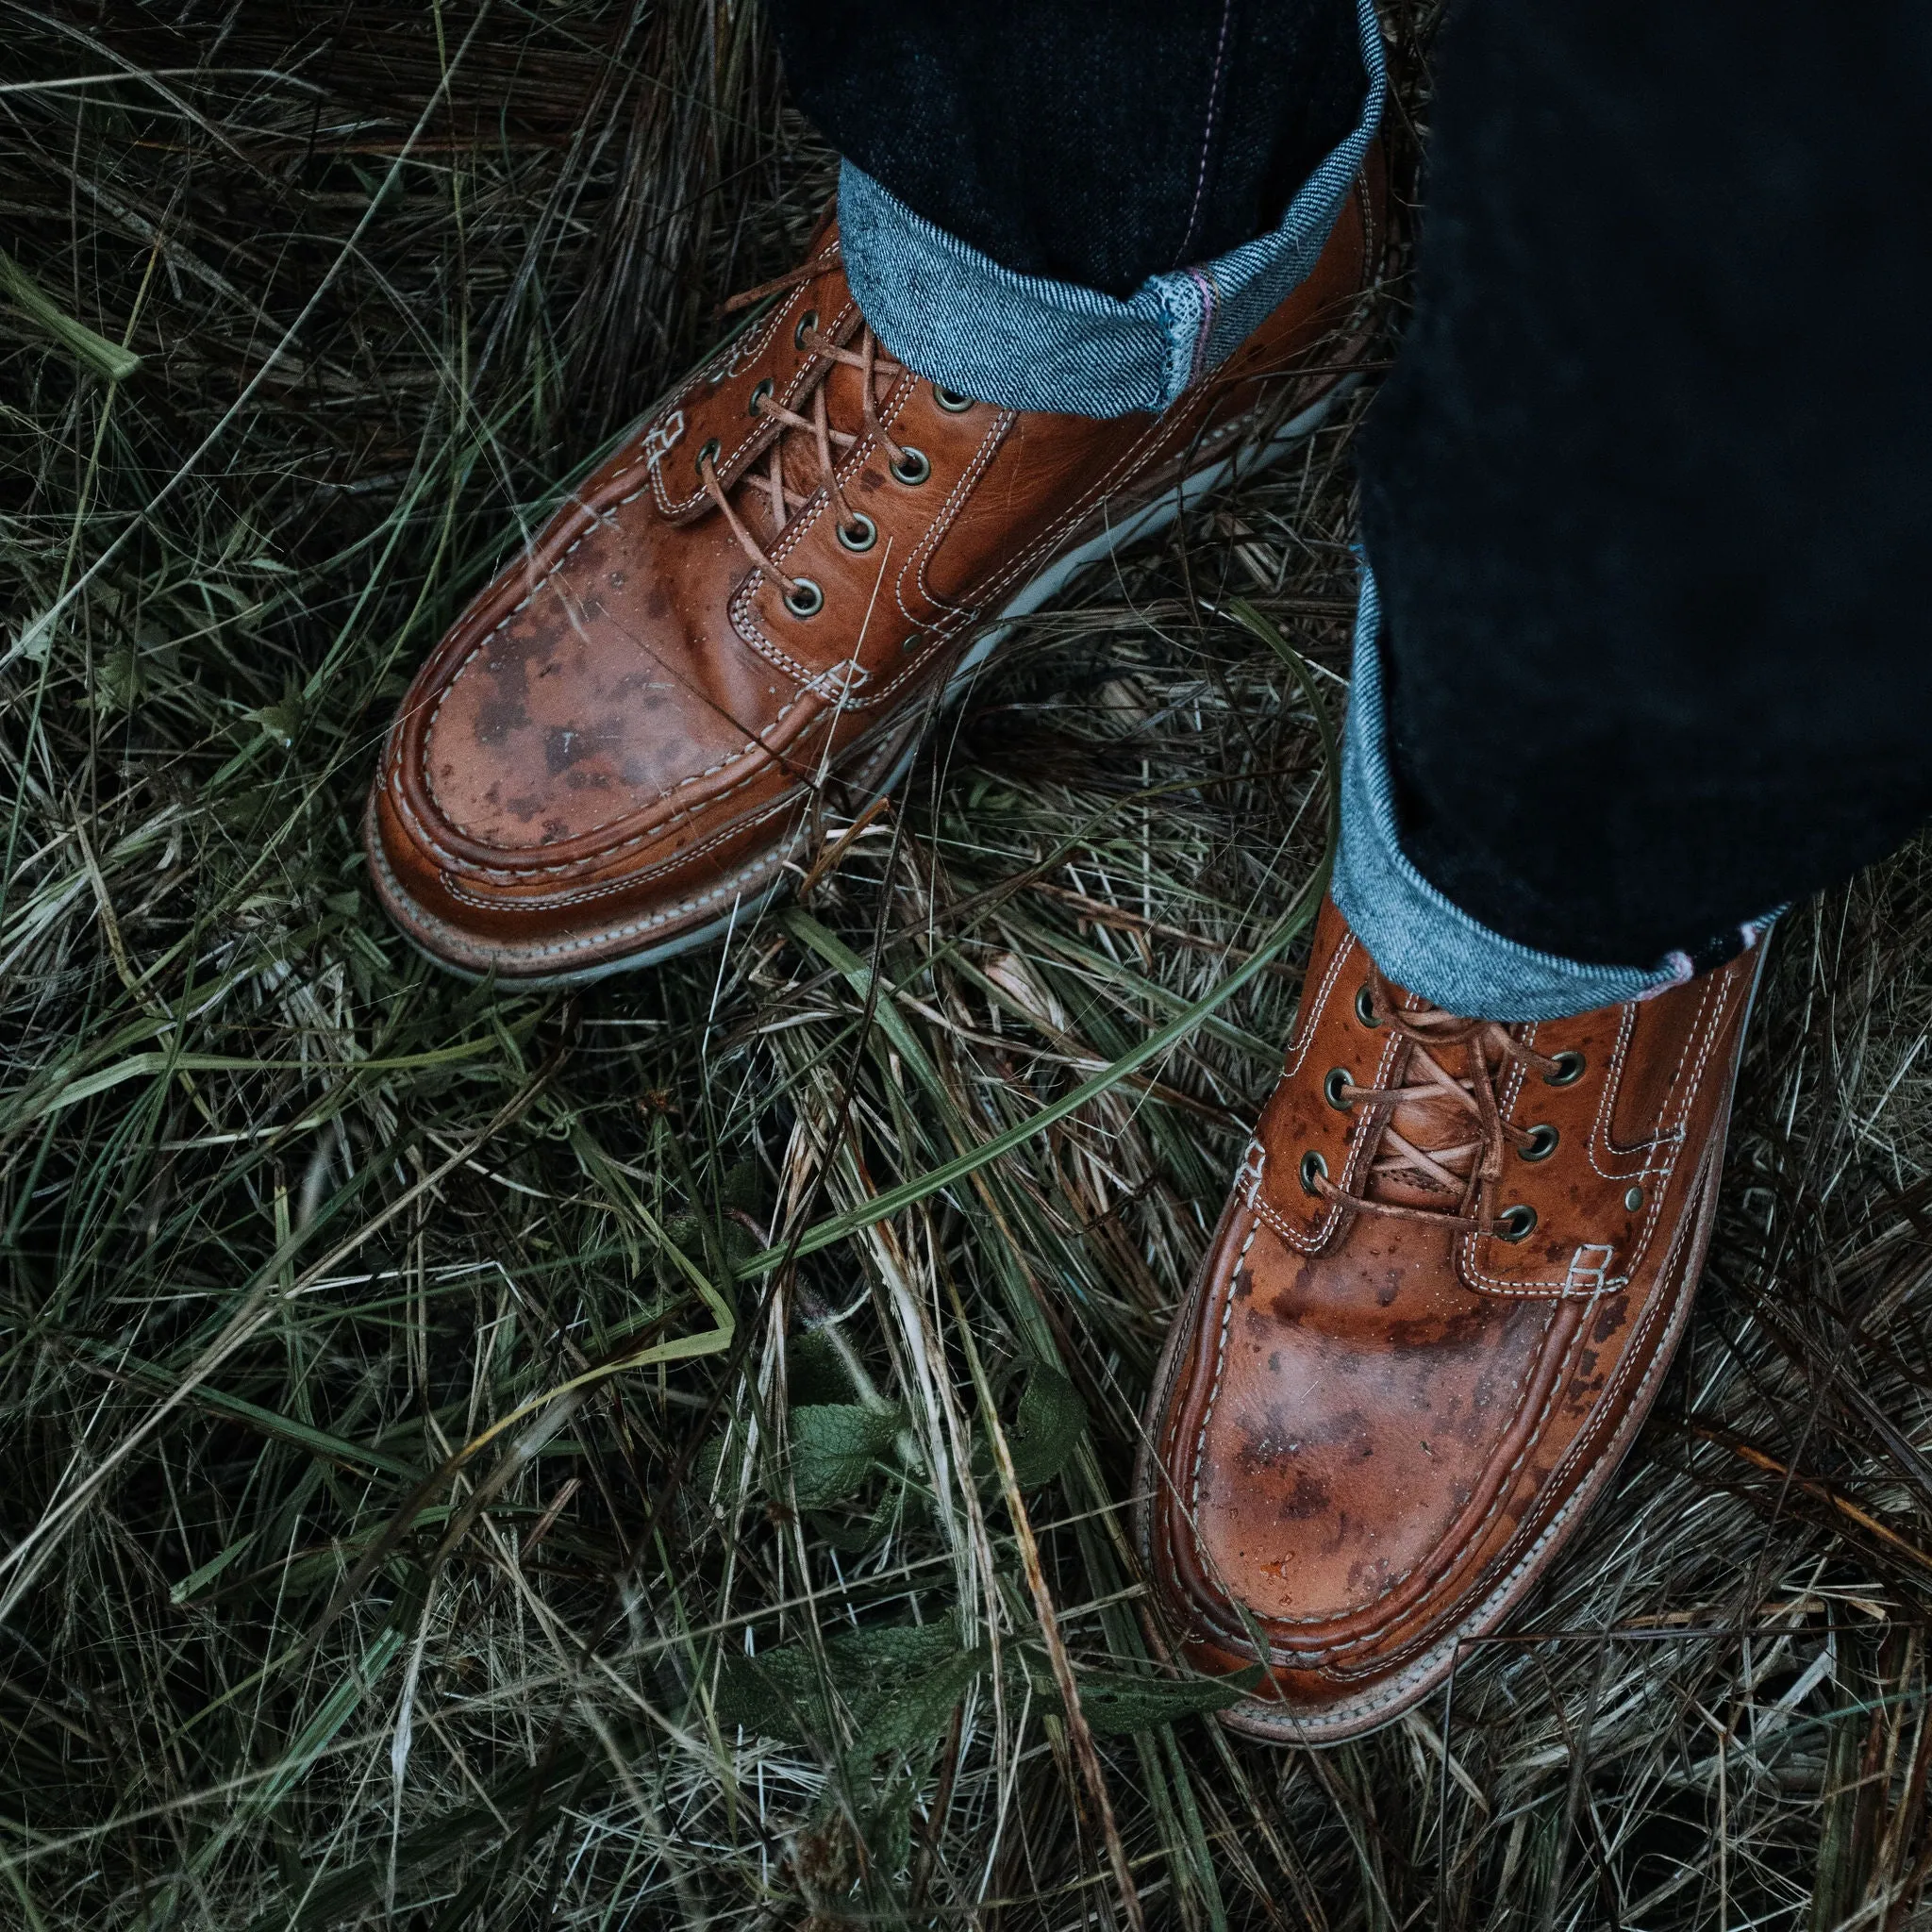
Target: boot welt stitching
x,y
770,857
513,874
576,943
631,882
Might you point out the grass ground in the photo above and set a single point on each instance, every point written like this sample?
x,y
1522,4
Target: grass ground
x,y
417,1402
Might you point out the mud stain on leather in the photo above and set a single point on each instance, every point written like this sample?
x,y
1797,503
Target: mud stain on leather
x,y
1459,1336
1267,1451
1612,1316
504,708
1308,1496
1369,1578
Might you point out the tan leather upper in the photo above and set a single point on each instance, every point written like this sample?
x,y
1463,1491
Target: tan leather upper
x,y
626,733
1372,1432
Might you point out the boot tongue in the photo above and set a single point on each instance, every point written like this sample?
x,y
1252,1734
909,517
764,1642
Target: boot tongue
x,y
1433,1122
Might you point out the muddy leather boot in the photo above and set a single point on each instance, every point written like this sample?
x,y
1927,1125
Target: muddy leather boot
x,y
750,613
1436,1312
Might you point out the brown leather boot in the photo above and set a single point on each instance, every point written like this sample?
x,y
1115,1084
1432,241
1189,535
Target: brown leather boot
x,y
1436,1312
751,611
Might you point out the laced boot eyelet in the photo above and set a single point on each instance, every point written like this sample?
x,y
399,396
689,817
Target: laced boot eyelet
x,y
806,323
1334,1089
1541,1143
1568,1070
951,400
861,534
804,598
1516,1224
1365,1006
1313,1166
708,454
911,467
763,388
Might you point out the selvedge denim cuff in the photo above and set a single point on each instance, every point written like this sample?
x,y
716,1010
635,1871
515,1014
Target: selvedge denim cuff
x,y
958,318
1412,932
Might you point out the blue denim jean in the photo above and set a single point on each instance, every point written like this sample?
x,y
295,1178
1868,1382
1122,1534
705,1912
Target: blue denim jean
x,y
1027,342
1414,933
1031,342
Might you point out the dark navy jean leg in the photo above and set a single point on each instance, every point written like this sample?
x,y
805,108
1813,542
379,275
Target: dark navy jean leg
x,y
1092,141
1648,495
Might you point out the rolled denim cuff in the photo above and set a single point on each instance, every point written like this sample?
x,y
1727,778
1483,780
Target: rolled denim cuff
x,y
1413,933
958,318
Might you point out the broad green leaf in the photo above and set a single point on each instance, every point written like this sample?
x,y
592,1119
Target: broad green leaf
x,y
774,1695
889,1830
899,1684
916,1713
813,1372
834,1445
1047,1429
1117,1703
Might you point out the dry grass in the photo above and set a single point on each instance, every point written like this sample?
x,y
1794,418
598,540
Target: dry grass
x,y
408,1428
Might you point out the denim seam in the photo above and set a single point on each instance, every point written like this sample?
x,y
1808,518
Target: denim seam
x,y
1207,136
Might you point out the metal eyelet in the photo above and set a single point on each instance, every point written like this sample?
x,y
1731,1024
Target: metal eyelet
x,y
1568,1070
708,454
1365,1006
861,535
1516,1224
951,400
1332,1088
913,642
1312,1165
806,323
1542,1142
1633,1200
804,598
759,393
910,467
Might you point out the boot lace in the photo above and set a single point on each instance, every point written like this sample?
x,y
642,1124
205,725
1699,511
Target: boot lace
x,y
1470,1168
827,441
